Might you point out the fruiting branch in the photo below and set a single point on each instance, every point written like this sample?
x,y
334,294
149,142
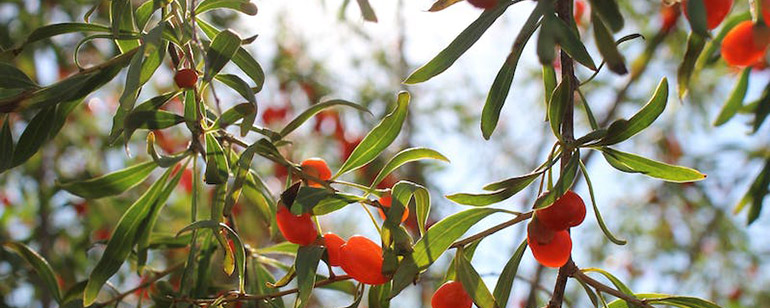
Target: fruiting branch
x,y
487,232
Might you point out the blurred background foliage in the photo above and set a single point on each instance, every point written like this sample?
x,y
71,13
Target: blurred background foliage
x,y
683,238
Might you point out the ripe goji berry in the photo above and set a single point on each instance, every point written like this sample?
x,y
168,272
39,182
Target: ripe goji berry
x,y
296,229
333,245
551,254
186,78
744,45
362,259
567,211
451,295
716,11
316,167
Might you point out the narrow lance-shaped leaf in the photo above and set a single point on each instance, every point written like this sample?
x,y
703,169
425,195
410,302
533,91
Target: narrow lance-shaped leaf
x,y
63,28
549,82
110,184
615,281
379,138
223,47
403,191
609,12
216,162
569,41
458,46
632,163
621,130
598,215
122,20
34,136
566,179
502,191
162,161
695,43
123,239
666,300
403,157
243,6
242,58
505,283
378,296
472,283
233,114
367,11
40,265
502,84
316,108
441,4
434,242
735,100
306,264
755,194
558,106
607,47
6,145
696,15
13,78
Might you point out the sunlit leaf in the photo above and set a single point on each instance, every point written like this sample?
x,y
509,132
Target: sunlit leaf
x,y
403,157
243,6
504,284
110,184
471,281
316,108
222,49
217,170
695,43
40,265
632,163
306,264
735,100
622,129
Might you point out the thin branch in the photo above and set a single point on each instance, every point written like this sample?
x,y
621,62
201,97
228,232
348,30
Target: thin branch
x,y
579,275
487,232
143,285
238,297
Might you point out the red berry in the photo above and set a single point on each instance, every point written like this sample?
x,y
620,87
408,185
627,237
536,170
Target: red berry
x,y
186,78
669,15
551,254
579,9
296,229
483,4
316,167
362,259
716,11
333,245
451,295
568,211
745,44
274,114
766,11
386,200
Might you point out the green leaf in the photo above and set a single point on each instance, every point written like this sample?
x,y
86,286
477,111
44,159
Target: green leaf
x,y
222,49
615,281
607,47
316,108
755,194
6,145
378,296
366,10
123,239
598,215
242,58
609,12
761,109
334,202
403,157
667,300
458,46
122,20
441,4
696,15
233,114
735,100
558,106
40,265
502,84
403,191
243,6
239,85
163,161
433,243
549,82
13,78
283,248
632,163
151,119
695,43
34,136
472,283
144,12
63,28
306,264
566,179
505,283
110,184
379,138
216,162
622,129
146,229
569,40
502,191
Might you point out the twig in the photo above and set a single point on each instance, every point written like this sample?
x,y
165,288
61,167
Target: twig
x,y
487,232
237,297
143,285
579,275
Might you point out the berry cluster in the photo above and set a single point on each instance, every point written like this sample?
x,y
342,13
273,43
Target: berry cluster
x,y
547,234
359,257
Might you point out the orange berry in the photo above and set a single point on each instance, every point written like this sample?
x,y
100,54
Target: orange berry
x,y
551,254
362,259
316,167
716,11
766,11
296,229
386,200
579,9
186,78
483,4
451,295
333,244
669,15
743,45
567,211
